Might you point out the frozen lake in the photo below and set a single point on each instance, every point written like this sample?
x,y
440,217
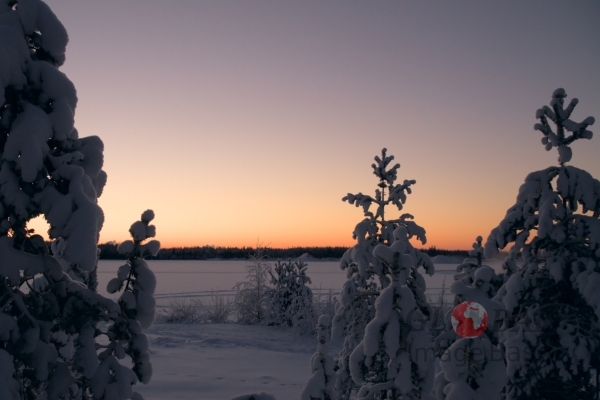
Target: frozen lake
x,y
200,277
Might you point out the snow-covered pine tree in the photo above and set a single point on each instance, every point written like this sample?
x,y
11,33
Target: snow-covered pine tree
x,y
472,368
289,297
551,331
48,329
394,360
321,384
366,274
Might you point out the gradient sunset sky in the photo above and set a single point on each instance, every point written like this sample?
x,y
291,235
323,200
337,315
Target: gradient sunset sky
x,y
246,121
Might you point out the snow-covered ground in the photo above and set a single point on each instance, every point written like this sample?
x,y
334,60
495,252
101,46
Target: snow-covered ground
x,y
220,361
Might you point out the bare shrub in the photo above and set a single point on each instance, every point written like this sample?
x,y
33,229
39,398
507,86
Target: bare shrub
x,y
324,304
217,310
251,298
440,307
182,310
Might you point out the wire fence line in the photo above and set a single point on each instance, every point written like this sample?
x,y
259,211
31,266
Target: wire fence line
x,y
320,292
431,292
232,292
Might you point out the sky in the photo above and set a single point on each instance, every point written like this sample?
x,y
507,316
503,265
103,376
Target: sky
x,y
245,122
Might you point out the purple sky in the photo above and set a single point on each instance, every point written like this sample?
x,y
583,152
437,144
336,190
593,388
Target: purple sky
x,y
239,121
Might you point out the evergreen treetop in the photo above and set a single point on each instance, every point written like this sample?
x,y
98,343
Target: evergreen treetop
x,y
560,137
388,193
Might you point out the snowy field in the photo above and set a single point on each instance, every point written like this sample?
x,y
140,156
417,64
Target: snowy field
x,y
218,361
194,278
175,277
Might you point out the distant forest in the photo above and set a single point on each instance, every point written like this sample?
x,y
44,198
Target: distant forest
x,y
108,251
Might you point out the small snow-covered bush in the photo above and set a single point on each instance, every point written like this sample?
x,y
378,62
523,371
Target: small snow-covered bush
x,y
251,300
472,368
290,299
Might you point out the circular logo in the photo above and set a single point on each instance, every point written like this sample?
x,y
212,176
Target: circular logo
x,y
469,319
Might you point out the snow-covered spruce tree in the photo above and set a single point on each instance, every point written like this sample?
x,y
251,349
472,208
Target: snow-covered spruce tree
x,y
366,274
551,331
48,330
290,299
321,384
394,360
472,368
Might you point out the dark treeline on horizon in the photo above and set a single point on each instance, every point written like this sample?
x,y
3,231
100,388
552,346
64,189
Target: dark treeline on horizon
x,y
108,251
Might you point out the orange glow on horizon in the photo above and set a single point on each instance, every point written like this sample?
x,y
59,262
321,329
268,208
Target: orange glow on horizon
x,y
462,242
439,238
